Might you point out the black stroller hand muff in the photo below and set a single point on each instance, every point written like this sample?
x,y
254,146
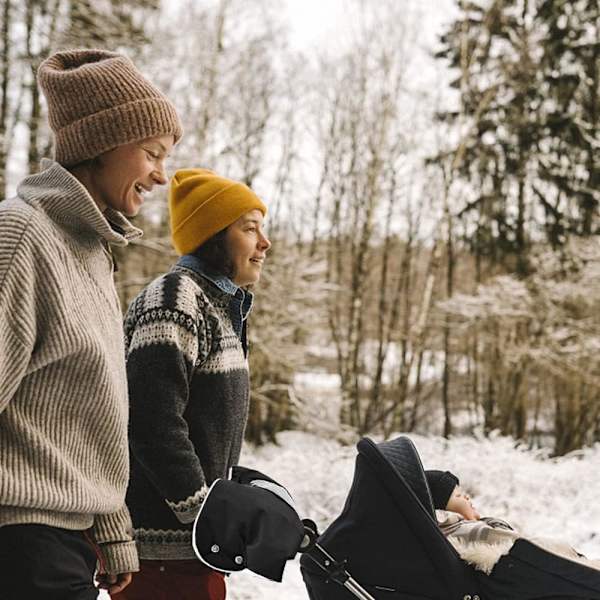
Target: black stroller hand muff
x,y
248,522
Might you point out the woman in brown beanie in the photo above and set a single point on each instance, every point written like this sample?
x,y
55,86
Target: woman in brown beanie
x,y
187,368
64,462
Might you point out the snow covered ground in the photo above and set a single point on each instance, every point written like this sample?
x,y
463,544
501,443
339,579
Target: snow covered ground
x,y
538,495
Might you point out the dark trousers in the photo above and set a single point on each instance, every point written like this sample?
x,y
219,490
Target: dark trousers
x,y
38,562
174,580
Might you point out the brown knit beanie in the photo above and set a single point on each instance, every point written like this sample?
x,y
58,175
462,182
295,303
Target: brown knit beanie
x,y
202,203
98,100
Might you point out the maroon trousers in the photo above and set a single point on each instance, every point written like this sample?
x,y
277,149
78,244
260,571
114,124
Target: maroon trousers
x,y
174,580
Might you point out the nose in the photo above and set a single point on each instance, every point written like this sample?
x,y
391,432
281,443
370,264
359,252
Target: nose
x,y
264,242
159,174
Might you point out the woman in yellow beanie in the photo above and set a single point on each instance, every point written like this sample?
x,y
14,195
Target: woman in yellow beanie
x,y
64,465
187,367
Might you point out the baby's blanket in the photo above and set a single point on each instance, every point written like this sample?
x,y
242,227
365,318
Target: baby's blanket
x,y
481,543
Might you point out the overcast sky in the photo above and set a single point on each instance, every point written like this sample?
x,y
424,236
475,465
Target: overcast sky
x,y
317,22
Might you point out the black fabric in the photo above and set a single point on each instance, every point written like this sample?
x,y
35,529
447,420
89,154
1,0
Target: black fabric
x,y
45,563
529,572
242,526
402,456
387,533
441,485
246,476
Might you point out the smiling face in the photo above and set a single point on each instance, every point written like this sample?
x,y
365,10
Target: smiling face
x,y
120,178
460,502
247,247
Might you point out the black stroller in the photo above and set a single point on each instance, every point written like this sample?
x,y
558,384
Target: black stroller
x,y
385,545
388,539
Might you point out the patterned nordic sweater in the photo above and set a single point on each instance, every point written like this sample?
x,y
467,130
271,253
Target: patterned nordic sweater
x,y
188,385
63,387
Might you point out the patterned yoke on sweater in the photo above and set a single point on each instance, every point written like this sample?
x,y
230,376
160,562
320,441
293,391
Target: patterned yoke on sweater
x,y
189,386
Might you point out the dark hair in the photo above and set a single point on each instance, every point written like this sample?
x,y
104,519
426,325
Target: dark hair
x,y
213,253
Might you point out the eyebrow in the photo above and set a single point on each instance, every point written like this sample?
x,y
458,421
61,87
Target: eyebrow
x,y
251,220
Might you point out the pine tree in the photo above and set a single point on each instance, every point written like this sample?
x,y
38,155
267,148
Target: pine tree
x,y
493,50
569,89
529,93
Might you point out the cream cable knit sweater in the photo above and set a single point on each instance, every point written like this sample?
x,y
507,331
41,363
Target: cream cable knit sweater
x,y
63,387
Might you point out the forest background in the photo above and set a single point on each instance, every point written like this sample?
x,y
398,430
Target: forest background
x,y
433,200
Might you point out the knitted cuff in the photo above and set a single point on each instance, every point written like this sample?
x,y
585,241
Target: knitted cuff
x,y
186,510
120,557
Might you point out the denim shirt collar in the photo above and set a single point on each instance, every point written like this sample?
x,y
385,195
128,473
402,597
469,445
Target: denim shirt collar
x,y
240,301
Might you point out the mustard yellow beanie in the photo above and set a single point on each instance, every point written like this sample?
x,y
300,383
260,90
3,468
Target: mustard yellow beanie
x,y
202,203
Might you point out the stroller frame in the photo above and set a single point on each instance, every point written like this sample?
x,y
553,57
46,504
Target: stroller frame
x,y
336,570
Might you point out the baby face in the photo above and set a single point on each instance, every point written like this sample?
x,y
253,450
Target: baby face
x,y
460,503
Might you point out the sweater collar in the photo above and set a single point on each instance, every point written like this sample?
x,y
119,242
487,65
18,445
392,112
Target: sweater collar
x,y
240,300
68,203
190,261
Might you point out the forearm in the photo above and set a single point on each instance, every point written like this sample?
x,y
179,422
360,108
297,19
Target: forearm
x,y
113,535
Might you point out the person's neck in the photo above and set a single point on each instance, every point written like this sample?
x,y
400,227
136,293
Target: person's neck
x,y
82,173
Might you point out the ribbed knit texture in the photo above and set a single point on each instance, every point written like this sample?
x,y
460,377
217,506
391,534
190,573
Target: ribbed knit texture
x,y
188,386
63,388
98,100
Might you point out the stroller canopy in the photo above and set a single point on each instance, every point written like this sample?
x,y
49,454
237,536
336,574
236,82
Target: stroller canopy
x,y
388,535
389,541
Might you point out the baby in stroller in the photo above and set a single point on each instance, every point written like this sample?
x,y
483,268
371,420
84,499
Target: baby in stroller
x,y
481,541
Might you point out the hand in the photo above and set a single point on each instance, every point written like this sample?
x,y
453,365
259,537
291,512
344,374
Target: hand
x,y
114,583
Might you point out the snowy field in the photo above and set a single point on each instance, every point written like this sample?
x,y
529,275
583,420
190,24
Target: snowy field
x,y
540,496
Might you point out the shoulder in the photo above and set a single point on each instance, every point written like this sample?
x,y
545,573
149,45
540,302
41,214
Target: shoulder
x,y
17,218
174,296
20,226
25,227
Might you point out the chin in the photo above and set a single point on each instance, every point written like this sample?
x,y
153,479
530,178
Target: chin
x,y
130,211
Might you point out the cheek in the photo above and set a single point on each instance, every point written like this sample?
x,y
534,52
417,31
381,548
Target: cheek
x,y
240,249
120,181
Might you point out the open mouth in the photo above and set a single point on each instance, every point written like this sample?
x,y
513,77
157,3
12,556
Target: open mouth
x,y
257,261
141,190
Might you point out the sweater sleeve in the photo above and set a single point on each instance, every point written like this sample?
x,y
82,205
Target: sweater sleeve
x,y
114,536
163,348
17,305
